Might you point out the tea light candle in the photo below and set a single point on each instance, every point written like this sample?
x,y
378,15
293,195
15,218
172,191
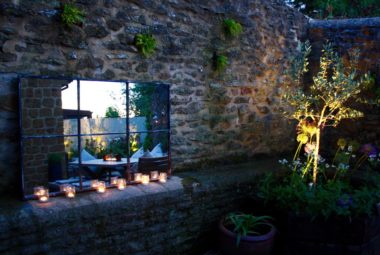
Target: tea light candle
x,y
94,184
113,180
145,179
138,177
163,177
154,175
41,193
70,191
101,188
121,184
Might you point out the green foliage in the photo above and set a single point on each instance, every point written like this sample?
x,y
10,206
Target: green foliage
x,y
146,44
220,63
326,101
54,158
247,224
232,28
331,198
72,15
112,112
337,8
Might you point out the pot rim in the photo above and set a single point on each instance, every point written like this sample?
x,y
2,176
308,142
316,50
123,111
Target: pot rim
x,y
248,238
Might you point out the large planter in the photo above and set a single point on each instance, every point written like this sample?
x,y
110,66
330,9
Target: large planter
x,y
249,245
338,236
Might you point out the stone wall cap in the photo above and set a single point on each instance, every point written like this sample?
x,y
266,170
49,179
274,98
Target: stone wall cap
x,y
345,23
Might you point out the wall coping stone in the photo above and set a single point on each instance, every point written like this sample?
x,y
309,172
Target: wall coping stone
x,y
345,23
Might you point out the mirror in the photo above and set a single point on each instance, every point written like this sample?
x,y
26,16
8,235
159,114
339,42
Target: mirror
x,y
76,131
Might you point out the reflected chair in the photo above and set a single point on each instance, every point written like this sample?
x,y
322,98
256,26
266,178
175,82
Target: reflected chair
x,y
148,164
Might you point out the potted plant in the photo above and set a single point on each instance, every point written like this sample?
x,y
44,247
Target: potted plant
x,y
246,234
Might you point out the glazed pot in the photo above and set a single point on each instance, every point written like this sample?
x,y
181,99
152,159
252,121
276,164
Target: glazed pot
x,y
249,245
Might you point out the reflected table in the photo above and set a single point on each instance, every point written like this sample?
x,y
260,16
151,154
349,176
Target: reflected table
x,y
108,165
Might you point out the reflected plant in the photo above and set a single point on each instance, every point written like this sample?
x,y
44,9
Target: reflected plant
x,y
325,102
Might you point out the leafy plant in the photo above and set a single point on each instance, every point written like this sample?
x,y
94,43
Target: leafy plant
x,y
72,15
55,158
146,44
325,102
112,112
247,224
220,63
232,28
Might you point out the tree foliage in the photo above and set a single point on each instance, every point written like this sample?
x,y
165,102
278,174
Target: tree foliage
x,y
327,101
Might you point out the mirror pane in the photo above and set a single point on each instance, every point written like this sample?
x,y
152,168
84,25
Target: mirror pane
x,y
46,163
102,157
69,96
42,106
148,107
104,103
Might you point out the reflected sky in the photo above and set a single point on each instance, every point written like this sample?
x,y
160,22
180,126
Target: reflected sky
x,y
96,96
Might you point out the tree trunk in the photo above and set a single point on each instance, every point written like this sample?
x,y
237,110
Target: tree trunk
x,y
316,154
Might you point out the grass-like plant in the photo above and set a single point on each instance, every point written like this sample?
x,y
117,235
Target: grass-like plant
x,y
72,15
146,44
247,224
326,102
220,63
232,28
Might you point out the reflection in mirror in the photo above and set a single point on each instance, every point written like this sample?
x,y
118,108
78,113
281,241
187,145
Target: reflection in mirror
x,y
105,103
65,143
46,163
149,101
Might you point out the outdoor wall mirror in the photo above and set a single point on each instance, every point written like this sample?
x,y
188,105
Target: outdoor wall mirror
x,y
75,131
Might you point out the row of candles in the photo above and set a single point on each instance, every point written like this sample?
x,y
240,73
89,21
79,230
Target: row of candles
x,y
42,193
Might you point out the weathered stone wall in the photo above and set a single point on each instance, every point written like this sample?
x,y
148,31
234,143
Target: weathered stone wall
x,y
213,116
345,35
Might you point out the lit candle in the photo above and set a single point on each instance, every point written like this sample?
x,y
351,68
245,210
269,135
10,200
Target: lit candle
x,y
41,193
138,177
114,180
145,179
121,184
163,177
154,175
94,184
69,191
101,188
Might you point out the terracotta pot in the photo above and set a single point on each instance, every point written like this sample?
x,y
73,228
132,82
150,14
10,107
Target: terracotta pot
x,y
255,245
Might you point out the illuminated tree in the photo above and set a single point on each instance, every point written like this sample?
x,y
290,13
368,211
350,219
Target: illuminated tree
x,y
326,101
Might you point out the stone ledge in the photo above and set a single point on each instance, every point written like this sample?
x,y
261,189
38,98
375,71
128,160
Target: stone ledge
x,y
345,23
179,215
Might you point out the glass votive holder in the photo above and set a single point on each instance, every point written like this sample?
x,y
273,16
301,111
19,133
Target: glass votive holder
x,y
101,188
94,184
163,177
137,177
154,175
69,191
121,184
41,193
113,180
145,179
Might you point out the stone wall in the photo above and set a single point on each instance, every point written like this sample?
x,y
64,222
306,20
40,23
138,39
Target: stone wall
x,y
345,35
213,115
